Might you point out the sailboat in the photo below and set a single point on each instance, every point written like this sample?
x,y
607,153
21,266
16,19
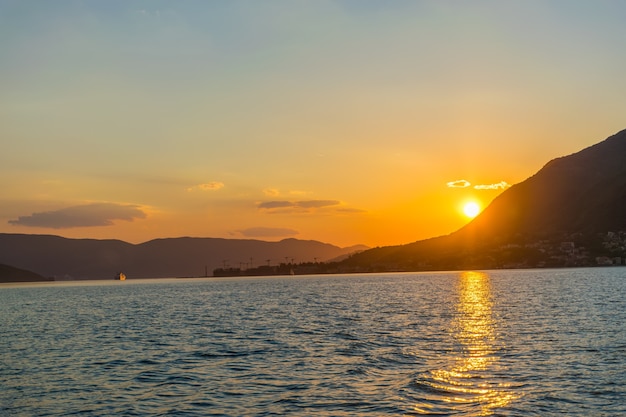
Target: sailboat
x,y
120,276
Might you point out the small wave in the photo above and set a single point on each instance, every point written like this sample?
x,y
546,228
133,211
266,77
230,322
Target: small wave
x,y
449,393
112,364
228,354
345,336
147,362
150,377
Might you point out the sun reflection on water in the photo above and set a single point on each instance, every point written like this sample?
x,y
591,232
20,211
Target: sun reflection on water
x,y
469,383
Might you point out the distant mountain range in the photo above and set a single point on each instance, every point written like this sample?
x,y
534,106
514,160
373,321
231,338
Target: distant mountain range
x,y
61,258
570,213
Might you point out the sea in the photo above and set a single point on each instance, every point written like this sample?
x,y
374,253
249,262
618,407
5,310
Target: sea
x,y
542,342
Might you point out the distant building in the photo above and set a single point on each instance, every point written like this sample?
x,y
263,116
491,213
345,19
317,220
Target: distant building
x,y
568,247
604,261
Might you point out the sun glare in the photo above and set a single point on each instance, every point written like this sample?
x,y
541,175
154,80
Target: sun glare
x,y
471,209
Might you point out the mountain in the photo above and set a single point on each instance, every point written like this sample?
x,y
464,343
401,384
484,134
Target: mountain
x,y
12,274
583,192
572,212
63,258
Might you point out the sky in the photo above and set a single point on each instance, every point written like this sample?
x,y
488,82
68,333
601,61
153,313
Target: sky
x,y
348,122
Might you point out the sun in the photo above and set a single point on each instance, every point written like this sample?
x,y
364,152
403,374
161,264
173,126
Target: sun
x,y
471,209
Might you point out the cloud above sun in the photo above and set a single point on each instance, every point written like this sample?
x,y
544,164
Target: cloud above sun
x,y
459,184
497,186
87,215
464,184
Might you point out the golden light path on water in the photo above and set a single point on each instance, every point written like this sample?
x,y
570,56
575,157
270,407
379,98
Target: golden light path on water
x,y
469,384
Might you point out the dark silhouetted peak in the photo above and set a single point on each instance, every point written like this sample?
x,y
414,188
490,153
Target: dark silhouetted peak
x,y
11,274
579,199
582,192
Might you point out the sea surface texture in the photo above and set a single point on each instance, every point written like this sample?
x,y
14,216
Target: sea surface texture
x,y
501,343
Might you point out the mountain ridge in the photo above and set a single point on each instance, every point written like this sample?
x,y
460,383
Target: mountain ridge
x,y
576,201
65,258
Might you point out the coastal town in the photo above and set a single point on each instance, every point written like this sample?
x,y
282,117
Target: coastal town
x,y
568,250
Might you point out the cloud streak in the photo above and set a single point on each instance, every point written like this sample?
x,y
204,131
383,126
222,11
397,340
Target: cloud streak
x,y
497,186
307,204
88,215
271,192
459,184
275,204
464,184
209,186
350,210
275,192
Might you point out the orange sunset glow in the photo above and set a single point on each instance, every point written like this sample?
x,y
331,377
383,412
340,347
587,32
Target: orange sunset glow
x,y
339,121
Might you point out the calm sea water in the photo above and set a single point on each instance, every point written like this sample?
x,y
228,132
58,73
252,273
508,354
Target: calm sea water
x,y
502,343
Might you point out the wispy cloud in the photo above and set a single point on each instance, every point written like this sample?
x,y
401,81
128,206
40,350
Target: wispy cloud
x,y
275,192
497,186
317,203
464,184
350,210
88,215
267,232
307,204
149,13
208,186
299,192
271,192
275,204
459,184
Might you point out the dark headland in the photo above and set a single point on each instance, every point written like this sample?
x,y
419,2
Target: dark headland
x,y
12,274
571,213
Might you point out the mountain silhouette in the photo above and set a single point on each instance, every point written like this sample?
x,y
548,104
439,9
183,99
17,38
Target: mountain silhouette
x,y
12,274
63,258
577,202
583,192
